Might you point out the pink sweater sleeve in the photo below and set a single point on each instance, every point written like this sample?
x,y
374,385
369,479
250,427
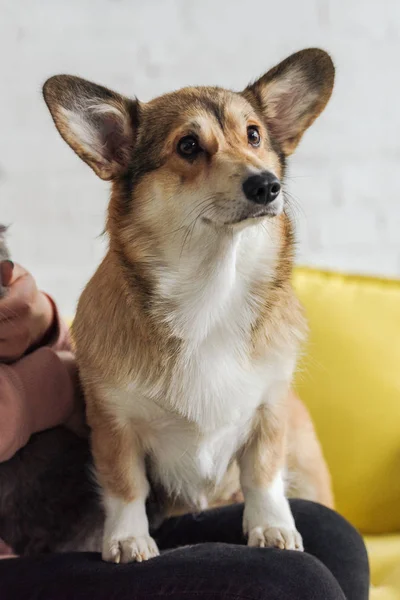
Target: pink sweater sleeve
x,y
58,337
39,391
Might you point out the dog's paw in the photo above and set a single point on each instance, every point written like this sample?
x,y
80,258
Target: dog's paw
x,y
275,537
132,549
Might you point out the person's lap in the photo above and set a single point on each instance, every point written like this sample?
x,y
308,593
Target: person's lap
x,y
204,556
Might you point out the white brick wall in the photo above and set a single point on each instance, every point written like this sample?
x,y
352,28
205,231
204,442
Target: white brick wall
x,y
345,175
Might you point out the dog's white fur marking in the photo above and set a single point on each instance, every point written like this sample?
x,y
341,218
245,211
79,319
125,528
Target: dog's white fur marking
x,y
266,506
267,519
126,531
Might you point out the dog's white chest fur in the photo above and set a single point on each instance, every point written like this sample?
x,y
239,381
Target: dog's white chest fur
x,y
188,463
194,423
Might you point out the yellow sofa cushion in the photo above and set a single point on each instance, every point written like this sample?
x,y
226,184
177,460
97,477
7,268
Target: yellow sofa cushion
x,y
384,555
350,380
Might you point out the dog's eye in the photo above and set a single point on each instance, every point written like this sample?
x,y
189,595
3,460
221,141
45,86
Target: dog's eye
x,y
253,135
189,146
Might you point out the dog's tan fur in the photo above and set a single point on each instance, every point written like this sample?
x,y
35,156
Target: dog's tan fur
x,y
133,325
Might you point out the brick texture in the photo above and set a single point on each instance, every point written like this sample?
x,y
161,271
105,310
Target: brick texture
x,y
344,179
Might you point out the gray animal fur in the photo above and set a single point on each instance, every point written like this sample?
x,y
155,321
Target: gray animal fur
x,y
48,500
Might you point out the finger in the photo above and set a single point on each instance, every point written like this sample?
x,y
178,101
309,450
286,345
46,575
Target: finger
x,y
6,272
11,351
17,272
21,293
14,339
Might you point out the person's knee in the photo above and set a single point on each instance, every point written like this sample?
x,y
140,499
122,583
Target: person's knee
x,y
296,575
316,521
313,512
269,573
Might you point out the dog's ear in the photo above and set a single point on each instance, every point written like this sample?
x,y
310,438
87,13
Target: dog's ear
x,y
293,94
97,123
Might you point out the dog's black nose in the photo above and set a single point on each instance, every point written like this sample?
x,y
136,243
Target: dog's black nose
x,y
263,188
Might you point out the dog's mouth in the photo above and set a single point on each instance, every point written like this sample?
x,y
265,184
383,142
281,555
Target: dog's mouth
x,y
254,215
251,214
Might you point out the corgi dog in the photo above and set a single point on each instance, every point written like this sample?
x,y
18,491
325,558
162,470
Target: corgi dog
x,y
188,333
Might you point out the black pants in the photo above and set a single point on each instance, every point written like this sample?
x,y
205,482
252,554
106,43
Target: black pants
x,y
204,557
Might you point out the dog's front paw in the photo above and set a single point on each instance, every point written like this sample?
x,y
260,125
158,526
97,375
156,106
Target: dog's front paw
x,y
275,537
131,549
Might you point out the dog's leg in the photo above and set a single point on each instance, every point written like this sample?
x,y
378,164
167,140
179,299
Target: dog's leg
x,y
308,473
120,468
267,518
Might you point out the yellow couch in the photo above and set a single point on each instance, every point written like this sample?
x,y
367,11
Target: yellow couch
x,y
350,380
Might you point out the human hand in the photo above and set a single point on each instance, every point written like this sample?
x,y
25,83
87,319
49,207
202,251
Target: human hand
x,y
26,314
